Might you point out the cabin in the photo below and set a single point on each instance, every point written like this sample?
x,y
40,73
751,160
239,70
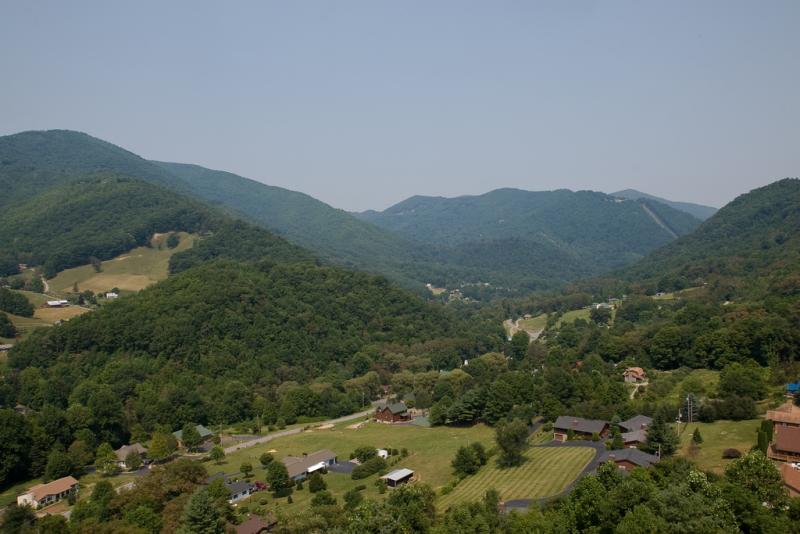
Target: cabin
x,y
578,427
786,444
205,434
398,477
256,525
396,412
44,494
126,450
634,375
628,459
300,467
637,422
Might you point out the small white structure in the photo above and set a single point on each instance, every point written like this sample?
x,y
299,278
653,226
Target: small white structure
x,y
111,295
44,494
58,303
382,453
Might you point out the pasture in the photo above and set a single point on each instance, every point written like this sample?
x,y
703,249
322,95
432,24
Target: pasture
x,y
132,271
717,437
546,472
573,315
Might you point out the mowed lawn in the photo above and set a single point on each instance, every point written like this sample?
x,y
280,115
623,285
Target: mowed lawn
x,y
717,437
131,271
573,315
534,323
546,472
430,451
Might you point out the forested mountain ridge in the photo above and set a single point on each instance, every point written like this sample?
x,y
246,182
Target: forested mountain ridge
x,y
752,243
697,210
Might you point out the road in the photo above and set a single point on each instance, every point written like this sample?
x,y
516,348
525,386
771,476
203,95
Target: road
x,y
292,431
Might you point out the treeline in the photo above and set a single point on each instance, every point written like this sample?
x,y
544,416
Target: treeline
x,y
15,303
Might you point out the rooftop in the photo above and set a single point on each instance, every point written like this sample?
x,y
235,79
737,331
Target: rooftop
x,y
785,413
256,524
395,407
635,456
297,465
40,491
203,431
123,452
578,424
636,436
398,474
790,476
637,422
787,439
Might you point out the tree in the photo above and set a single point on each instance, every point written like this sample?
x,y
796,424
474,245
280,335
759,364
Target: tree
x,y
316,483
757,474
743,380
697,439
173,240
18,519
80,454
75,288
105,459
7,328
512,440
217,454
201,516
616,438
278,478
661,437
466,462
352,499
518,346
323,498
133,461
190,436
364,454
162,445
413,505
480,452
266,459
247,469
97,265
59,463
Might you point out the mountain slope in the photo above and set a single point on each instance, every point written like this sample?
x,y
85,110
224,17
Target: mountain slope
x,y
697,210
754,242
302,219
596,229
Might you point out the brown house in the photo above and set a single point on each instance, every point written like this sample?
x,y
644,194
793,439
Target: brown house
x,y
786,446
256,525
578,427
627,459
791,479
634,375
787,414
392,413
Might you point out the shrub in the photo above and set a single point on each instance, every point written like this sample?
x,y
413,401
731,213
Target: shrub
x,y
364,454
316,483
368,468
323,498
730,454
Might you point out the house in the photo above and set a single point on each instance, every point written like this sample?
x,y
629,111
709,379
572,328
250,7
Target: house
x,y
786,446
57,303
44,494
205,434
239,489
126,450
398,477
787,414
22,409
111,295
637,422
256,525
627,459
578,427
634,375
299,467
791,479
395,412
633,439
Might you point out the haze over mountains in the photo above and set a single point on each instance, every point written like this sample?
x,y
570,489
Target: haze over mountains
x,y
512,239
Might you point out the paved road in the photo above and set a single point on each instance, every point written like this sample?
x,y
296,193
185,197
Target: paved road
x,y
292,431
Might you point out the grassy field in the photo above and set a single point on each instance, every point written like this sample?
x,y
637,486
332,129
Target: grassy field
x,y
547,472
131,271
717,437
534,323
573,315
430,452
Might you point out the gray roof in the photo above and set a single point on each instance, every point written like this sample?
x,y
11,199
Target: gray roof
x,y
297,465
234,488
123,452
395,407
578,424
635,456
637,436
398,474
636,422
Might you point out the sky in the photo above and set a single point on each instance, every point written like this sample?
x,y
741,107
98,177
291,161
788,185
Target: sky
x,y
362,104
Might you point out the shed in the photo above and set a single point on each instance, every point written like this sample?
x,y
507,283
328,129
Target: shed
x,y
397,477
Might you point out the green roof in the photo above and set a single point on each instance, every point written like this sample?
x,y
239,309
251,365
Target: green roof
x,y
203,431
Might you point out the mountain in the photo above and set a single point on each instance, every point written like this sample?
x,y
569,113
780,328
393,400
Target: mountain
x,y
698,210
563,232
753,242
331,233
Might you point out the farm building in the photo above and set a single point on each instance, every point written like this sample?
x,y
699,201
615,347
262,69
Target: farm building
x,y
627,459
392,413
634,375
126,450
205,434
44,494
398,477
566,426
256,525
786,446
299,467
57,303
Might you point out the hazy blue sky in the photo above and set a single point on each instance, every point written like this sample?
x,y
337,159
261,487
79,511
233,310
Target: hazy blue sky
x,y
362,104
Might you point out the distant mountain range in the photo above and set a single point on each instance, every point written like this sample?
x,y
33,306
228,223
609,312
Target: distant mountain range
x,y
698,210
512,239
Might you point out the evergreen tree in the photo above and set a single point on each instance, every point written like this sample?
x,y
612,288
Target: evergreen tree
x,y
278,478
661,437
512,440
616,438
316,483
466,462
697,439
201,516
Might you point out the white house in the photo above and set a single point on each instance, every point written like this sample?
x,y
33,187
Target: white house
x,y
44,494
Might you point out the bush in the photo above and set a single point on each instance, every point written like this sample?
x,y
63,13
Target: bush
x,y
364,454
730,454
368,468
316,483
323,498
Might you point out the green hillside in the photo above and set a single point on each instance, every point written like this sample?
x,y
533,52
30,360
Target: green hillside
x,y
753,242
697,210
